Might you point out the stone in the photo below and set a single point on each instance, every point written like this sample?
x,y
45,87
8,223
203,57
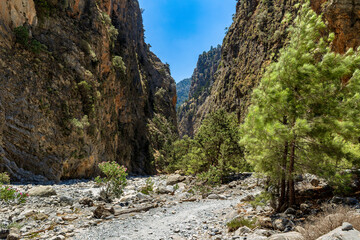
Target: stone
x,y
304,207
175,178
315,182
290,211
242,231
42,191
264,222
287,236
66,200
102,212
351,201
216,196
4,233
13,236
142,196
346,227
340,234
165,190
60,237
282,224
86,201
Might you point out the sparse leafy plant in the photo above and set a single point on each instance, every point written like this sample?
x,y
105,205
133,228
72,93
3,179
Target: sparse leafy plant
x,y
236,223
261,200
4,178
114,180
9,194
149,186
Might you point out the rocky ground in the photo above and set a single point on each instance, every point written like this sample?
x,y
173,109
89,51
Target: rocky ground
x,y
177,208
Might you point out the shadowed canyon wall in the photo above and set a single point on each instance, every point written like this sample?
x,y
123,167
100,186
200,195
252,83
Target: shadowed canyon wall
x,y
87,96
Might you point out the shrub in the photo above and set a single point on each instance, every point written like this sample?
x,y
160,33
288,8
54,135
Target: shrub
x,y
81,124
331,218
211,177
9,194
23,38
236,223
261,200
4,178
148,188
119,64
114,180
22,35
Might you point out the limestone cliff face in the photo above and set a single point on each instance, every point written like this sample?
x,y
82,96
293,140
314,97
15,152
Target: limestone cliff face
x,y
201,81
88,97
255,38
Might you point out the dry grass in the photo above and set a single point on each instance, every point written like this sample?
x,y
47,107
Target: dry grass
x,y
331,218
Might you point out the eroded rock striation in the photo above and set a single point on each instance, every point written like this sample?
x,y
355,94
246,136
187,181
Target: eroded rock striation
x,y
78,85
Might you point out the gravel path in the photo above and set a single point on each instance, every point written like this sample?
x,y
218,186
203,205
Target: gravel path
x,y
187,220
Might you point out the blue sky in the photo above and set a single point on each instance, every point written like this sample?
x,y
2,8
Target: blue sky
x,y
180,30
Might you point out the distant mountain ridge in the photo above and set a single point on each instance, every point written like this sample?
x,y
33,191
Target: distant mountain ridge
x,y
182,90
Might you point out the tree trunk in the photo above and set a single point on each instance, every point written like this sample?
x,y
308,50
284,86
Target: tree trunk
x,y
291,184
282,198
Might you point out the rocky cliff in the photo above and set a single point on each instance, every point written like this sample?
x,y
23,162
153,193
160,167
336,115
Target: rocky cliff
x,y
201,82
78,85
182,90
254,39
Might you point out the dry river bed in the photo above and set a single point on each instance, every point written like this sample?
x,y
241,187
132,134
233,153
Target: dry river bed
x,y
175,209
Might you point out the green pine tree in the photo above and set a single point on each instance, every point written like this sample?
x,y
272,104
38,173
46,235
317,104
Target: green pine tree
x,y
305,113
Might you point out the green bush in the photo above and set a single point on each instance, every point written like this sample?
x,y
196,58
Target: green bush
x,y
234,224
114,180
22,35
261,200
9,194
211,177
149,186
214,153
4,178
23,38
119,64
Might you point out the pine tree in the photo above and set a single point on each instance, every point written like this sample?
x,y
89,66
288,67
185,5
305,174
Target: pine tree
x,y
305,113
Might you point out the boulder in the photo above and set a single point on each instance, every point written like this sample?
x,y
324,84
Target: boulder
x,y
173,179
13,236
287,236
282,224
242,231
344,232
86,201
102,212
216,196
42,191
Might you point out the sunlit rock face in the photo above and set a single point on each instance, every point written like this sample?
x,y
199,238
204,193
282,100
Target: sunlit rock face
x,y
87,97
254,40
14,13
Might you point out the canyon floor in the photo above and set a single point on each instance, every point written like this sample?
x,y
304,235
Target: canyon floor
x,y
177,208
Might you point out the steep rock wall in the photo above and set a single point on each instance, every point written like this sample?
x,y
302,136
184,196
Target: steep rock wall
x,y
87,98
255,38
201,82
